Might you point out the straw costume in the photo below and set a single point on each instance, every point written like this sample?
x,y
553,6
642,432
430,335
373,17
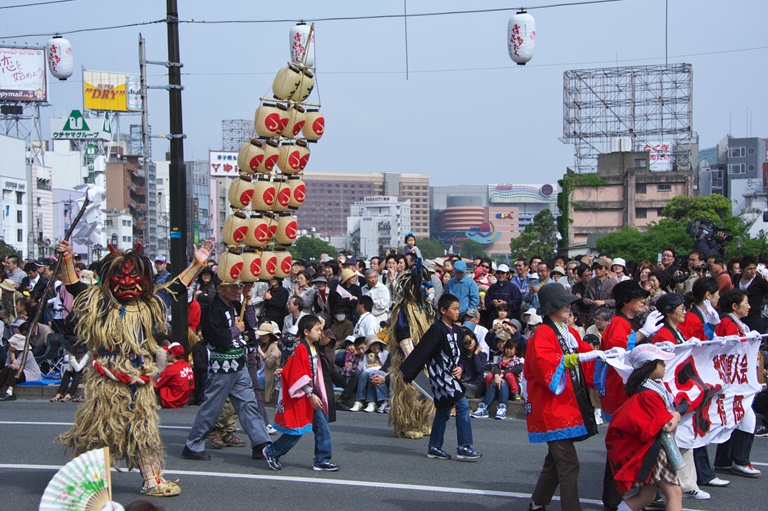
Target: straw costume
x,y
412,315
118,321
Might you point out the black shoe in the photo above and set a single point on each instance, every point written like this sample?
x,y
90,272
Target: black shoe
x,y
256,453
342,406
325,466
196,456
8,397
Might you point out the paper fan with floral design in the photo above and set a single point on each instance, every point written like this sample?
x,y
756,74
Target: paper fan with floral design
x,y
83,484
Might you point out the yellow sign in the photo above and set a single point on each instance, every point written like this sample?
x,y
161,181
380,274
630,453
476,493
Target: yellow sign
x,y
113,92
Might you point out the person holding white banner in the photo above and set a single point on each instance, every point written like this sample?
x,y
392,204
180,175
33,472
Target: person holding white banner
x,y
732,456
558,410
638,458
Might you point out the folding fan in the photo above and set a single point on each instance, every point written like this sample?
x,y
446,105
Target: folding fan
x,y
83,484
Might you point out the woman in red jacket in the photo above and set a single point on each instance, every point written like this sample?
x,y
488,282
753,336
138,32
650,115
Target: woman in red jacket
x,y
672,306
701,302
733,456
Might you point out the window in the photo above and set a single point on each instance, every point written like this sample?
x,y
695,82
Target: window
x,y
664,187
19,235
641,163
751,151
737,152
19,217
737,168
659,212
641,213
640,188
751,168
19,198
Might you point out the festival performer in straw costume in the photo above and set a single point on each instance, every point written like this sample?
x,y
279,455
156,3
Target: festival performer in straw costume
x,y
118,321
412,315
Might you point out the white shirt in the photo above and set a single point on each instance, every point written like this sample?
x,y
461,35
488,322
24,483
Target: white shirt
x,y
288,322
480,333
367,324
381,300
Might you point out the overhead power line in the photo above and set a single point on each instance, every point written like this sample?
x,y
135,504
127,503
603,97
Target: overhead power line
x,y
35,4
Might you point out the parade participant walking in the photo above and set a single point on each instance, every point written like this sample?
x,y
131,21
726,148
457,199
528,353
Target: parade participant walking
x,y
439,349
228,376
304,403
559,410
634,437
118,321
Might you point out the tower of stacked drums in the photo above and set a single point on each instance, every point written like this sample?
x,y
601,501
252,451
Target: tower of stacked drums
x,y
270,189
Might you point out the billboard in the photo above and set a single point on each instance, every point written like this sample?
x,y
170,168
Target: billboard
x,y
22,74
661,156
111,92
506,193
223,164
77,127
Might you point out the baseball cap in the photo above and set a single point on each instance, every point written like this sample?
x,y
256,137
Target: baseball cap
x,y
503,268
161,259
460,266
601,262
176,349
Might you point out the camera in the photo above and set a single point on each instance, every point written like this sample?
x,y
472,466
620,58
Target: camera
x,y
708,230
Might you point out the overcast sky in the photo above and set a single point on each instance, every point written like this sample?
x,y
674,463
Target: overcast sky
x,y
466,114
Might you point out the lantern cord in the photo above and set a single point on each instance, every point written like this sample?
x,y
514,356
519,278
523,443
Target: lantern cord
x,y
405,22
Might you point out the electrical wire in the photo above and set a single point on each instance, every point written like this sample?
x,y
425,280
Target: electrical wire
x,y
35,4
81,30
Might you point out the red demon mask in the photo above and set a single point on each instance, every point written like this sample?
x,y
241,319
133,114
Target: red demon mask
x,y
127,283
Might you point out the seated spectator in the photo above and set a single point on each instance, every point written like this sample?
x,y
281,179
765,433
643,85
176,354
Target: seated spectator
x,y
73,367
354,363
502,310
602,317
13,363
375,397
504,378
472,363
472,320
269,352
38,341
176,383
342,327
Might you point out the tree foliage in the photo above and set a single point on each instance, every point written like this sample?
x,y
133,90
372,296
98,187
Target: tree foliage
x,y
715,208
430,248
539,238
309,249
471,249
6,250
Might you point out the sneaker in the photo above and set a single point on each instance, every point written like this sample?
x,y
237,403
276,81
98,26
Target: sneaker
x,y
437,454
370,407
271,430
215,440
357,406
196,456
272,461
230,440
467,453
598,416
8,397
481,412
383,407
696,494
718,482
516,397
745,470
501,412
325,466
761,430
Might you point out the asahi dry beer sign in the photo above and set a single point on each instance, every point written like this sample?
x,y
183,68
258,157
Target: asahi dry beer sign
x,y
111,92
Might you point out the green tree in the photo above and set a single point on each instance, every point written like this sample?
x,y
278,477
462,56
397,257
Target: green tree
x,y
539,237
471,249
621,243
430,248
310,249
715,208
632,244
6,250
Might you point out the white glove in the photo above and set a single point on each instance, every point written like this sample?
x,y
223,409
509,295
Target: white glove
x,y
754,335
616,352
666,346
710,314
589,356
653,324
695,341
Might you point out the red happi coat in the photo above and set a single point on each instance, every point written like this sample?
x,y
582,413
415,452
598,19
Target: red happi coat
x,y
552,410
632,439
294,411
693,326
728,327
616,335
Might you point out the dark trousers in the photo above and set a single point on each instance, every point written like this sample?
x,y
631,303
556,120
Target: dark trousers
x,y
350,388
735,450
704,472
611,496
8,377
561,467
69,379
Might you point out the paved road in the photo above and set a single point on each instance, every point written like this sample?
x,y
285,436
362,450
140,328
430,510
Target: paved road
x,y
378,471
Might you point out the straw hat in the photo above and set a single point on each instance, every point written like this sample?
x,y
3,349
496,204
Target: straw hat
x,y
8,285
346,274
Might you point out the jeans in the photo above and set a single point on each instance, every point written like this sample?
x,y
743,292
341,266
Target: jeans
x,y
367,391
463,426
704,472
491,391
322,440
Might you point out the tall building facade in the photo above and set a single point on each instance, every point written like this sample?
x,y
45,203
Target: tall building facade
x,y
377,223
198,209
736,168
330,195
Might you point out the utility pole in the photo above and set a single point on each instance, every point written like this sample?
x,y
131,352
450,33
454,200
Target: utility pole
x,y
177,176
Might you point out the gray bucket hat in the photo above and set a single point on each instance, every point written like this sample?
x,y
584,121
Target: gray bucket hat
x,y
553,297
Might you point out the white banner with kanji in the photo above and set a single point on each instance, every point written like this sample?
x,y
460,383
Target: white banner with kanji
x,y
716,382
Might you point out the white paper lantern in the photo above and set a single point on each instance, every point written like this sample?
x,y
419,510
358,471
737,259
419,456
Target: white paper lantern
x,y
521,37
298,42
61,62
